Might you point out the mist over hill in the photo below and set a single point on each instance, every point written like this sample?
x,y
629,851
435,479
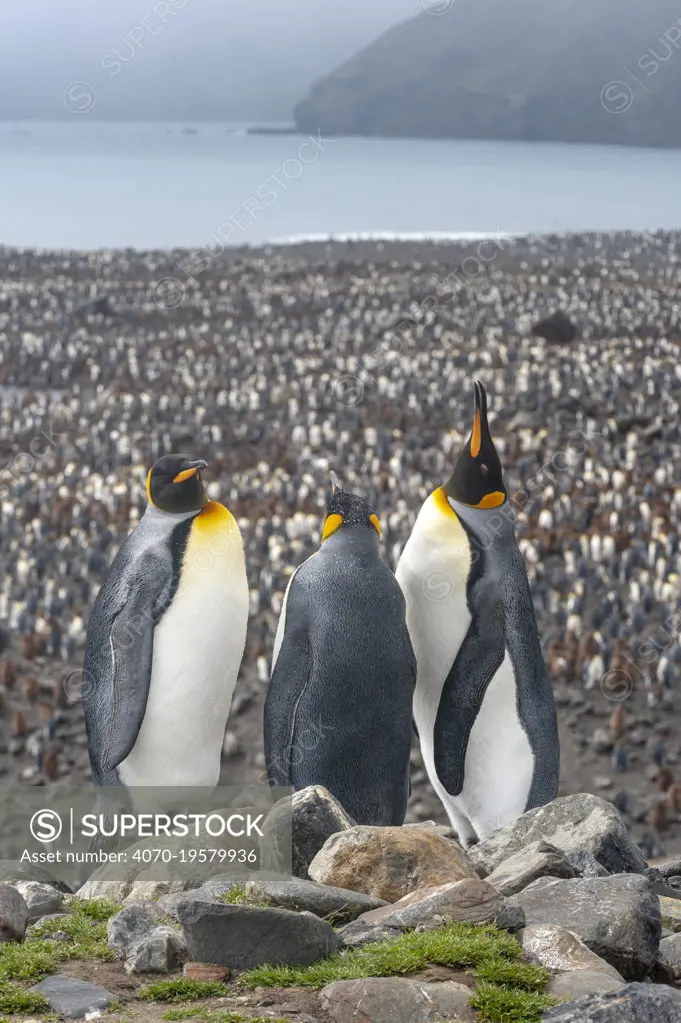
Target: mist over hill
x,y
539,70
200,60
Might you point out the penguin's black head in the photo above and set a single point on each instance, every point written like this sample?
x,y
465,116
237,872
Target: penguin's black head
x,y
174,484
476,480
344,509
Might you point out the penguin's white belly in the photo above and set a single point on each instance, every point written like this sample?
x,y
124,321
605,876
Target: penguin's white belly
x,y
198,647
499,762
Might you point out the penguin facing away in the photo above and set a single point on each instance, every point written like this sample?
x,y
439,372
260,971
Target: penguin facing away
x,y
338,711
483,706
166,637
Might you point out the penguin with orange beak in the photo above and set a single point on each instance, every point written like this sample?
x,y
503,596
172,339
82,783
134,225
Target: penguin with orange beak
x,y
165,639
339,705
483,704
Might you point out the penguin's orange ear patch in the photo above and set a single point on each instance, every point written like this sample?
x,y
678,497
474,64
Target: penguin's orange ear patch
x,y
373,519
493,500
331,525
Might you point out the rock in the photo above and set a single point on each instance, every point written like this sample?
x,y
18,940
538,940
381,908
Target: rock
x,y
13,914
556,329
670,869
320,899
12,871
539,859
395,1000
601,741
585,864
469,901
41,899
617,917
245,936
35,927
671,913
579,823
440,829
359,932
130,890
162,951
669,959
560,950
206,971
73,998
390,862
298,826
576,983
634,1003
130,926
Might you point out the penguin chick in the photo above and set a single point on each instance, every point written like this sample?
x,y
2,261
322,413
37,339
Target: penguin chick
x,y
338,711
483,706
166,637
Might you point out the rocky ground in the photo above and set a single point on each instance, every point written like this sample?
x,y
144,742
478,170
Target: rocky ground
x,y
554,917
279,364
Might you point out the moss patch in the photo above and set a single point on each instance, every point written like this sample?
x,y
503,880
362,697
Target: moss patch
x,y
14,999
509,989
459,945
239,896
497,1003
38,955
182,990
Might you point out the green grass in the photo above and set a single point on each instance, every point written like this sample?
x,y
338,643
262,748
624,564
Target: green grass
x,y
458,945
14,999
38,956
238,896
497,1003
509,989
182,990
220,1016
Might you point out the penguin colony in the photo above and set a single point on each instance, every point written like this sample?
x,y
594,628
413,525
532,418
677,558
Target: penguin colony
x,y
242,373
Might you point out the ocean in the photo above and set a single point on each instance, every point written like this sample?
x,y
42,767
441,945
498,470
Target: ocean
x,y
93,185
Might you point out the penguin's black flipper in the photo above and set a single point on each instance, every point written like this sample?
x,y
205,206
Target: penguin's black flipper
x,y
478,660
290,676
118,660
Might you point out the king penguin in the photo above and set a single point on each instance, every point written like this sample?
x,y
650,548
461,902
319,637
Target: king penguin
x,y
166,637
483,706
338,711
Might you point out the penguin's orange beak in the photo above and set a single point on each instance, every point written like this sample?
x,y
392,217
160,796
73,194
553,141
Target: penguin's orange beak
x,y
193,470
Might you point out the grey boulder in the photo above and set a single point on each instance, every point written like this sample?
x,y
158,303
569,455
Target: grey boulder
x,y
573,824
577,983
617,917
538,859
323,900
361,933
297,827
470,900
73,998
41,899
668,965
132,925
245,936
163,950
395,1000
634,1003
13,914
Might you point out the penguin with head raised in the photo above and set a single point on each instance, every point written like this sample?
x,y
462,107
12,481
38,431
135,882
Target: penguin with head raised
x,y
166,637
483,705
338,711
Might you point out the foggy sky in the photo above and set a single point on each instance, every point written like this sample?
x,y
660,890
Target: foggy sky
x,y
238,60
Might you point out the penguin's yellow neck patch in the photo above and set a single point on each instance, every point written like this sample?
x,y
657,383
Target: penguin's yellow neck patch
x,y
331,525
215,518
492,500
442,504
149,488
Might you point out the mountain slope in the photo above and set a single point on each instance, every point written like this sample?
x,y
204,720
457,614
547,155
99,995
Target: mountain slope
x,y
562,70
